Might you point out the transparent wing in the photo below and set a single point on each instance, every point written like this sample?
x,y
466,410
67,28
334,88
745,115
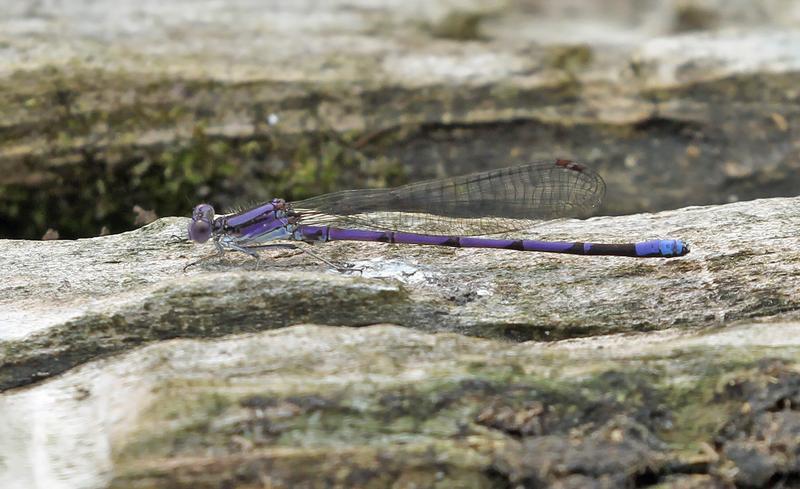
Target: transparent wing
x,y
489,202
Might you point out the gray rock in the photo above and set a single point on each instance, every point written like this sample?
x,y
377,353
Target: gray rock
x,y
125,96
66,302
382,405
498,368
388,405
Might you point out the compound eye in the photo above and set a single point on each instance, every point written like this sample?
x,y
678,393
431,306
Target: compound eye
x,y
203,211
199,231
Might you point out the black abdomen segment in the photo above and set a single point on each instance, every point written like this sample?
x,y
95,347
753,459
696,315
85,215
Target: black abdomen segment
x,y
655,248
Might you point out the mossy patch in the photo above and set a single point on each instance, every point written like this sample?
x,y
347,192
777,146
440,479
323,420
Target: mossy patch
x,y
172,180
459,25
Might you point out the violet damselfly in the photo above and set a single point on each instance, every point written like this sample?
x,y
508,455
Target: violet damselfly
x,y
442,212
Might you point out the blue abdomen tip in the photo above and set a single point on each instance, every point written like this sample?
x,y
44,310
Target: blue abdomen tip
x,y
672,247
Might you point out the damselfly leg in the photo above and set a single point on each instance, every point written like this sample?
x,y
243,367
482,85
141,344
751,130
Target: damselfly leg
x,y
339,268
218,254
253,252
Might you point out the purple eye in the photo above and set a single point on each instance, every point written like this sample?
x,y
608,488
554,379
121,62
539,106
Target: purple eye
x,y
200,227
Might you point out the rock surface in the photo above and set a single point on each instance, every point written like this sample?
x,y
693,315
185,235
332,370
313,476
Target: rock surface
x,y
105,108
66,302
687,404
313,406
434,367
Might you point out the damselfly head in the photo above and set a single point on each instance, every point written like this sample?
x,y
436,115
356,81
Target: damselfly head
x,y
201,225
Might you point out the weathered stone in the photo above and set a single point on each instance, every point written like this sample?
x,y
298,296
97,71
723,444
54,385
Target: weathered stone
x,y
114,112
312,406
118,369
65,302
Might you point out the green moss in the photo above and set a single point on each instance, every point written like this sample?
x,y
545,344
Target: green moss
x,y
569,58
697,405
181,424
83,141
96,193
691,17
107,172
460,417
459,25
775,89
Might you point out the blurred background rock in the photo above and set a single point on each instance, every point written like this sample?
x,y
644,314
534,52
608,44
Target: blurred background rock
x,y
106,106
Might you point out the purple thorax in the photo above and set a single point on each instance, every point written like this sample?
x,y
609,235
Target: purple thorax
x,y
202,223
